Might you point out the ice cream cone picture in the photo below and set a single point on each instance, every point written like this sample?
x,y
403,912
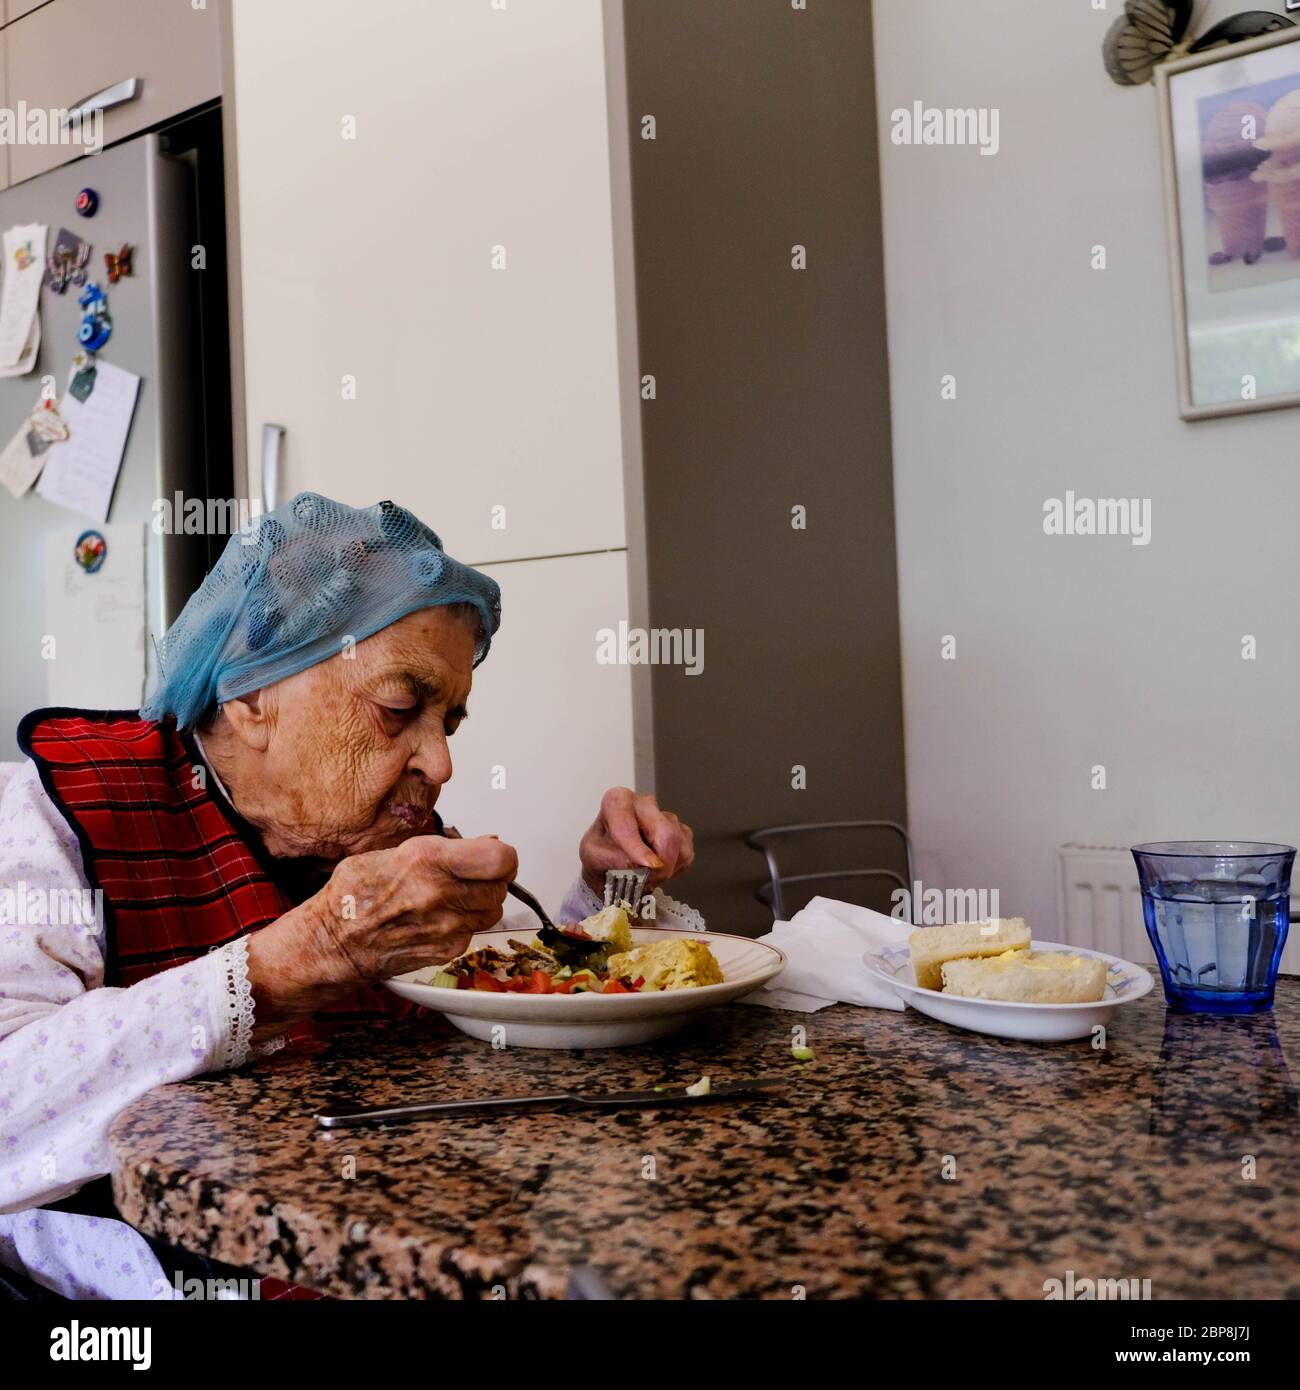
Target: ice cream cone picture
x,y
1280,172
1229,157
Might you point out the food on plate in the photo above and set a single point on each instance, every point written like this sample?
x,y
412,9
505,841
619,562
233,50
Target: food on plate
x,y
930,947
1028,977
677,963
594,956
610,924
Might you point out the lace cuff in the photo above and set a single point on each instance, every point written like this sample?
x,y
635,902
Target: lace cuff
x,y
237,1004
669,912
688,918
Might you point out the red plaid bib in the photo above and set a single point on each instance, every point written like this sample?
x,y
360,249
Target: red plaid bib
x,y
180,870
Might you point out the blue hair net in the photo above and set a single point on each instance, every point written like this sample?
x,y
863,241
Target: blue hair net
x,y
292,585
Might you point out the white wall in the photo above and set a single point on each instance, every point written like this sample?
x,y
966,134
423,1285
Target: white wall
x,y
1071,651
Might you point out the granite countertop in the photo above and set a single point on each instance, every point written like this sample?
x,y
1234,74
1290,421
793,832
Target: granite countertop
x,y
909,1160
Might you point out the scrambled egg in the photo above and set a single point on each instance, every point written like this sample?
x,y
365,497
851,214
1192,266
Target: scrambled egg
x,y
678,963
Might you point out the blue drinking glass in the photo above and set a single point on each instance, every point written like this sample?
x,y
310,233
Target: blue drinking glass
x,y
1217,913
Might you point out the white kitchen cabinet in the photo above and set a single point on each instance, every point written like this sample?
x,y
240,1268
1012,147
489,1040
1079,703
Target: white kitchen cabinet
x,y
545,717
383,151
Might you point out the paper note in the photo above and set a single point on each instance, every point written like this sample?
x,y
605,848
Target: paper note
x,y
96,621
19,467
81,471
20,293
27,361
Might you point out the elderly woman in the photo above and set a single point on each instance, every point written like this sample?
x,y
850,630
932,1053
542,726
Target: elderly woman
x,y
263,846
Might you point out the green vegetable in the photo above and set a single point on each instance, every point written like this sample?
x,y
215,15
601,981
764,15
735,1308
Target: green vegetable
x,y
575,951
802,1054
444,980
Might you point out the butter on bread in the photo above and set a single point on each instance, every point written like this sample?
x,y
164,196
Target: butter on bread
x,y
1028,977
930,947
677,963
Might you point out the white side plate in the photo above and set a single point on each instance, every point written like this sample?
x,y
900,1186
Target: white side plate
x,y
1125,982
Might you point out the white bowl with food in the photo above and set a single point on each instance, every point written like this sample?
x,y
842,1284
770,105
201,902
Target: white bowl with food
x,y
992,978
595,986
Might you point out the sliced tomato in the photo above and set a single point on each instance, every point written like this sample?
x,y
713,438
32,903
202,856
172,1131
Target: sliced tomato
x,y
490,983
517,984
464,982
538,983
638,982
615,987
562,987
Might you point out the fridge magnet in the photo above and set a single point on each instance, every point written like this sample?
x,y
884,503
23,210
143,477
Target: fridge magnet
x,y
96,326
83,377
1230,121
90,550
23,255
118,263
87,202
66,264
47,427
48,423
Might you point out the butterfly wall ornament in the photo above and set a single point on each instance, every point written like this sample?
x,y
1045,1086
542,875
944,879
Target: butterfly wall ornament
x,y
1151,32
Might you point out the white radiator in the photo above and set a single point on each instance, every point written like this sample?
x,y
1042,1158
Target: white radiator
x,y
1099,905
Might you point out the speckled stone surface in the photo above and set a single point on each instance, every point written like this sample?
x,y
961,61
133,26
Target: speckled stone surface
x,y
908,1160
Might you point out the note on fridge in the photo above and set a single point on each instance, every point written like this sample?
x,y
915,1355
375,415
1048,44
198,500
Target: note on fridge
x,y
95,621
19,466
81,471
20,296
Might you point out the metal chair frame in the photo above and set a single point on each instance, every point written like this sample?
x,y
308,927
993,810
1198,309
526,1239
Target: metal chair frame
x,y
760,840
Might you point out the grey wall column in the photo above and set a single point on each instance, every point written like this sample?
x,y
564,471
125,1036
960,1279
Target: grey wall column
x,y
772,393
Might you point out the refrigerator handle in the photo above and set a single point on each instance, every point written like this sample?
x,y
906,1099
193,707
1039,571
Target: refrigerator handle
x,y
272,439
116,95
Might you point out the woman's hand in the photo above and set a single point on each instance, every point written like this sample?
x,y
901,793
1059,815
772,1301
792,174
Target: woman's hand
x,y
632,831
381,914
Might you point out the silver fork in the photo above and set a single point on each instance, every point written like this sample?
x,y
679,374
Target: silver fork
x,y
625,886
515,889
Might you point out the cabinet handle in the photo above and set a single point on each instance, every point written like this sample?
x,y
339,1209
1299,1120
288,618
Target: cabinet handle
x,y
272,439
116,95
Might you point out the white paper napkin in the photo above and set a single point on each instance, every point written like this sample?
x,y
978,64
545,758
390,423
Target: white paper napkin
x,y
824,944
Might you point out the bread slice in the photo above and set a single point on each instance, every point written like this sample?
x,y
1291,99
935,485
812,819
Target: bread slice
x,y
609,924
931,946
1028,977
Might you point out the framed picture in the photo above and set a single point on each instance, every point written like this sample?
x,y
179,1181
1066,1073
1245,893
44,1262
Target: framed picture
x,y
1230,121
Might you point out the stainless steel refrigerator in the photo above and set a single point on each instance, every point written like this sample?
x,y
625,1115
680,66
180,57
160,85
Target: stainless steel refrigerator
x,y
160,193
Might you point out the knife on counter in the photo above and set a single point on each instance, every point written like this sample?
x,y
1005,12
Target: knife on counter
x,y
341,1115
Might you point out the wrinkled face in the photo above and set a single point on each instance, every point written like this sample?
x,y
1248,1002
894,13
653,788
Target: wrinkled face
x,y
357,748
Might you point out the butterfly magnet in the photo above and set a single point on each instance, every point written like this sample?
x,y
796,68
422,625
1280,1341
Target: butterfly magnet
x,y
118,263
